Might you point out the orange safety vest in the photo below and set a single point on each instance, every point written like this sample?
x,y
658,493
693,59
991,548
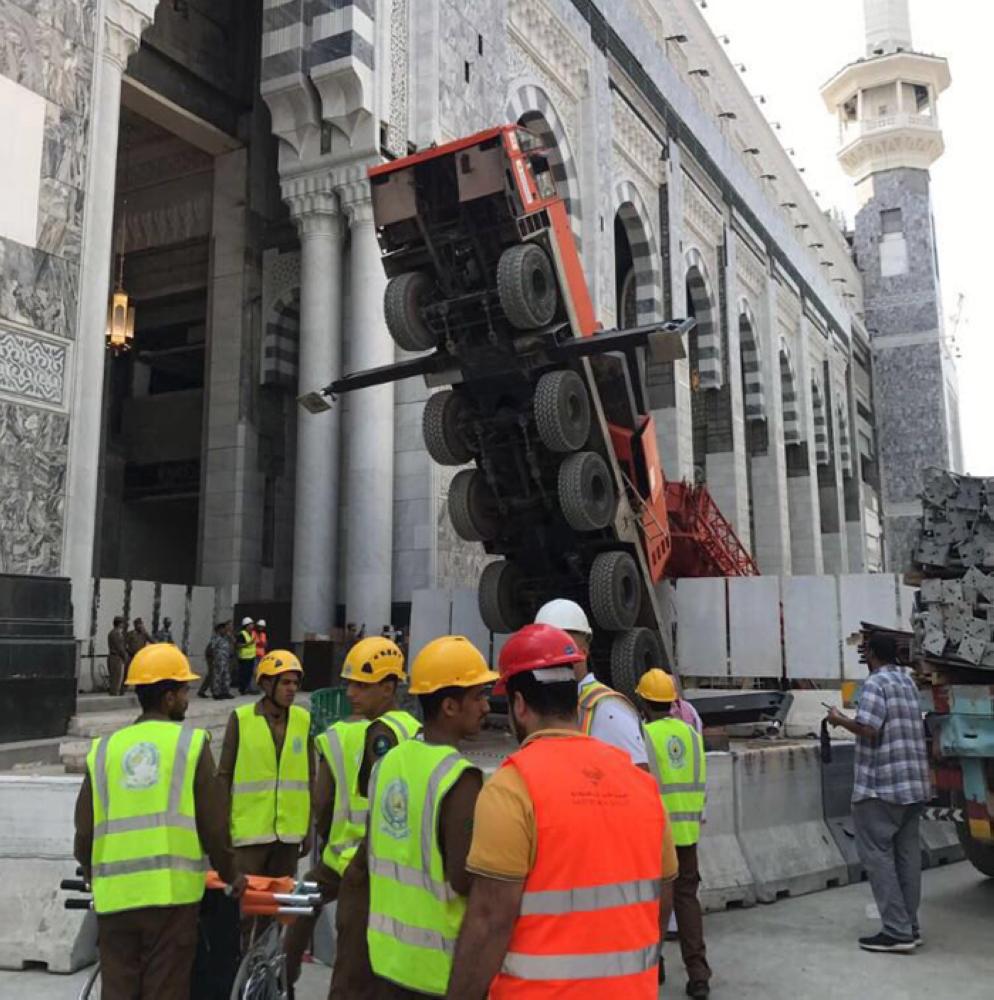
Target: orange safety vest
x,y
588,927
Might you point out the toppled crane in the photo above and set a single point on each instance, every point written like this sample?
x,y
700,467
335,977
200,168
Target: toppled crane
x,y
566,487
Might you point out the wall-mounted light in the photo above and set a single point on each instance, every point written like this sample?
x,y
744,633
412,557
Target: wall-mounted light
x,y
741,67
759,98
699,72
679,39
730,115
724,39
816,246
828,263
767,177
802,226
788,204
751,150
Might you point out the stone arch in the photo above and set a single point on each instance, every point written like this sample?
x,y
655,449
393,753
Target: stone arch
x,y
788,394
754,397
646,288
529,105
702,304
281,341
823,454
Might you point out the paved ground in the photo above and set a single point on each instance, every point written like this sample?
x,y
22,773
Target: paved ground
x,y
797,949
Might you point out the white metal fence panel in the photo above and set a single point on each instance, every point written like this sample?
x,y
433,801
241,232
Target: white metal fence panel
x,y
812,649
431,616
754,626
466,619
202,614
142,604
702,631
865,597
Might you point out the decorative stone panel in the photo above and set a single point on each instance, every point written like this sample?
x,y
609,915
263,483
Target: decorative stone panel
x,y
31,367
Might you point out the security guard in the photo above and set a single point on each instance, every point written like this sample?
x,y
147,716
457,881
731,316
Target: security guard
x,y
145,819
604,713
570,854
679,765
265,772
245,653
406,888
373,669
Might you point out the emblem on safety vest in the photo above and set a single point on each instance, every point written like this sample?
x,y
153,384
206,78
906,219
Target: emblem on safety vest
x,y
298,745
394,809
141,766
676,751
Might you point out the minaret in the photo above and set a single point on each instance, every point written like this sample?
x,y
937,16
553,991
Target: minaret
x,y
889,136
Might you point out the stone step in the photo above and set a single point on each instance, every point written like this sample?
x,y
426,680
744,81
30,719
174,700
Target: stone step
x,y
87,704
24,754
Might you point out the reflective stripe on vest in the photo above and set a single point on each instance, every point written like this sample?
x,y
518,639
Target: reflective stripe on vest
x,y
414,915
403,725
146,849
342,746
679,765
568,942
591,695
246,645
270,799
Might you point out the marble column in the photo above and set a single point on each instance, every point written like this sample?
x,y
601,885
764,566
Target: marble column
x,y
119,37
369,457
314,206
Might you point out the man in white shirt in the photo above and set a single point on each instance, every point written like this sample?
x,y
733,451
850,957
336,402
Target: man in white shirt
x,y
605,714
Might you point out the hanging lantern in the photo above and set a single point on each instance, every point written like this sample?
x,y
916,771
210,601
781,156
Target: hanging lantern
x,y
120,318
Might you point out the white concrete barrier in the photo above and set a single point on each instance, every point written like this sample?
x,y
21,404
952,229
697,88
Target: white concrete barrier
x,y
780,822
36,842
725,876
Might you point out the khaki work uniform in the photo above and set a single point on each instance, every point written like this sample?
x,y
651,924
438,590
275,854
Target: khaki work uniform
x,y
275,858
117,659
353,977
148,954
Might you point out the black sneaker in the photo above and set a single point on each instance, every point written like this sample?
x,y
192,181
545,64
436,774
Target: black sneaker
x,y
884,942
698,989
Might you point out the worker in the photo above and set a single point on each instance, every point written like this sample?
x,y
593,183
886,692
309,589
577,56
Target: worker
x,y
604,713
265,772
406,888
261,639
145,819
245,654
572,858
373,671
678,764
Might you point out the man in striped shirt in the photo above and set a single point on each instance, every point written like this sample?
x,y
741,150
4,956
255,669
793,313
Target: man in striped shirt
x,y
890,787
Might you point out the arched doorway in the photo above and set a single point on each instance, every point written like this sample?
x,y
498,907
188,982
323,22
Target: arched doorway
x,y
704,358
753,406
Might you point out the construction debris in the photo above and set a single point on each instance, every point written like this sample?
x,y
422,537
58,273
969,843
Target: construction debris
x,y
954,607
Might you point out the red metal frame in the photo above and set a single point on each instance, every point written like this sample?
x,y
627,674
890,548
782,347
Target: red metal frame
x,y
704,542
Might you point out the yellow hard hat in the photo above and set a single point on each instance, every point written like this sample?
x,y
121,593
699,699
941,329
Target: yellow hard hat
x,y
279,661
449,661
656,685
372,660
159,661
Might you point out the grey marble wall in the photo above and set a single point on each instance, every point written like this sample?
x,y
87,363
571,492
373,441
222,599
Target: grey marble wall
x,y
47,47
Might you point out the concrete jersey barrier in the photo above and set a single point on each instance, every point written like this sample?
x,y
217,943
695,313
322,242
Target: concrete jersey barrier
x,y
780,822
725,876
836,795
36,842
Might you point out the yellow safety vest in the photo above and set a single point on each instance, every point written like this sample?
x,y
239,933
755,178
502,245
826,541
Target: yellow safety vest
x,y
146,850
246,645
403,724
342,747
679,765
590,697
270,799
414,914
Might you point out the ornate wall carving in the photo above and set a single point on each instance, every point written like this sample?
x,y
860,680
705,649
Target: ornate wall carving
x,y
31,367
34,447
550,44
635,142
700,215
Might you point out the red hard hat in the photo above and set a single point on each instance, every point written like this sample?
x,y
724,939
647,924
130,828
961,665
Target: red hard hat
x,y
536,647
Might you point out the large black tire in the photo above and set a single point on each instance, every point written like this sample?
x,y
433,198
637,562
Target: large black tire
x,y
403,300
981,856
586,491
633,652
444,425
562,411
615,590
472,507
498,595
526,286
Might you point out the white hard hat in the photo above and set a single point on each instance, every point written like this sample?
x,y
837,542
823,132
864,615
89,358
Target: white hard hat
x,y
262,622
247,621
567,615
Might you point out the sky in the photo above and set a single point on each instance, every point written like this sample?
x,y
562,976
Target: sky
x,y
791,47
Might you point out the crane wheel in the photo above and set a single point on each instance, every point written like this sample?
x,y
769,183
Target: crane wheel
x,y
586,491
978,853
444,424
615,590
499,606
562,411
526,286
633,652
473,507
405,296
